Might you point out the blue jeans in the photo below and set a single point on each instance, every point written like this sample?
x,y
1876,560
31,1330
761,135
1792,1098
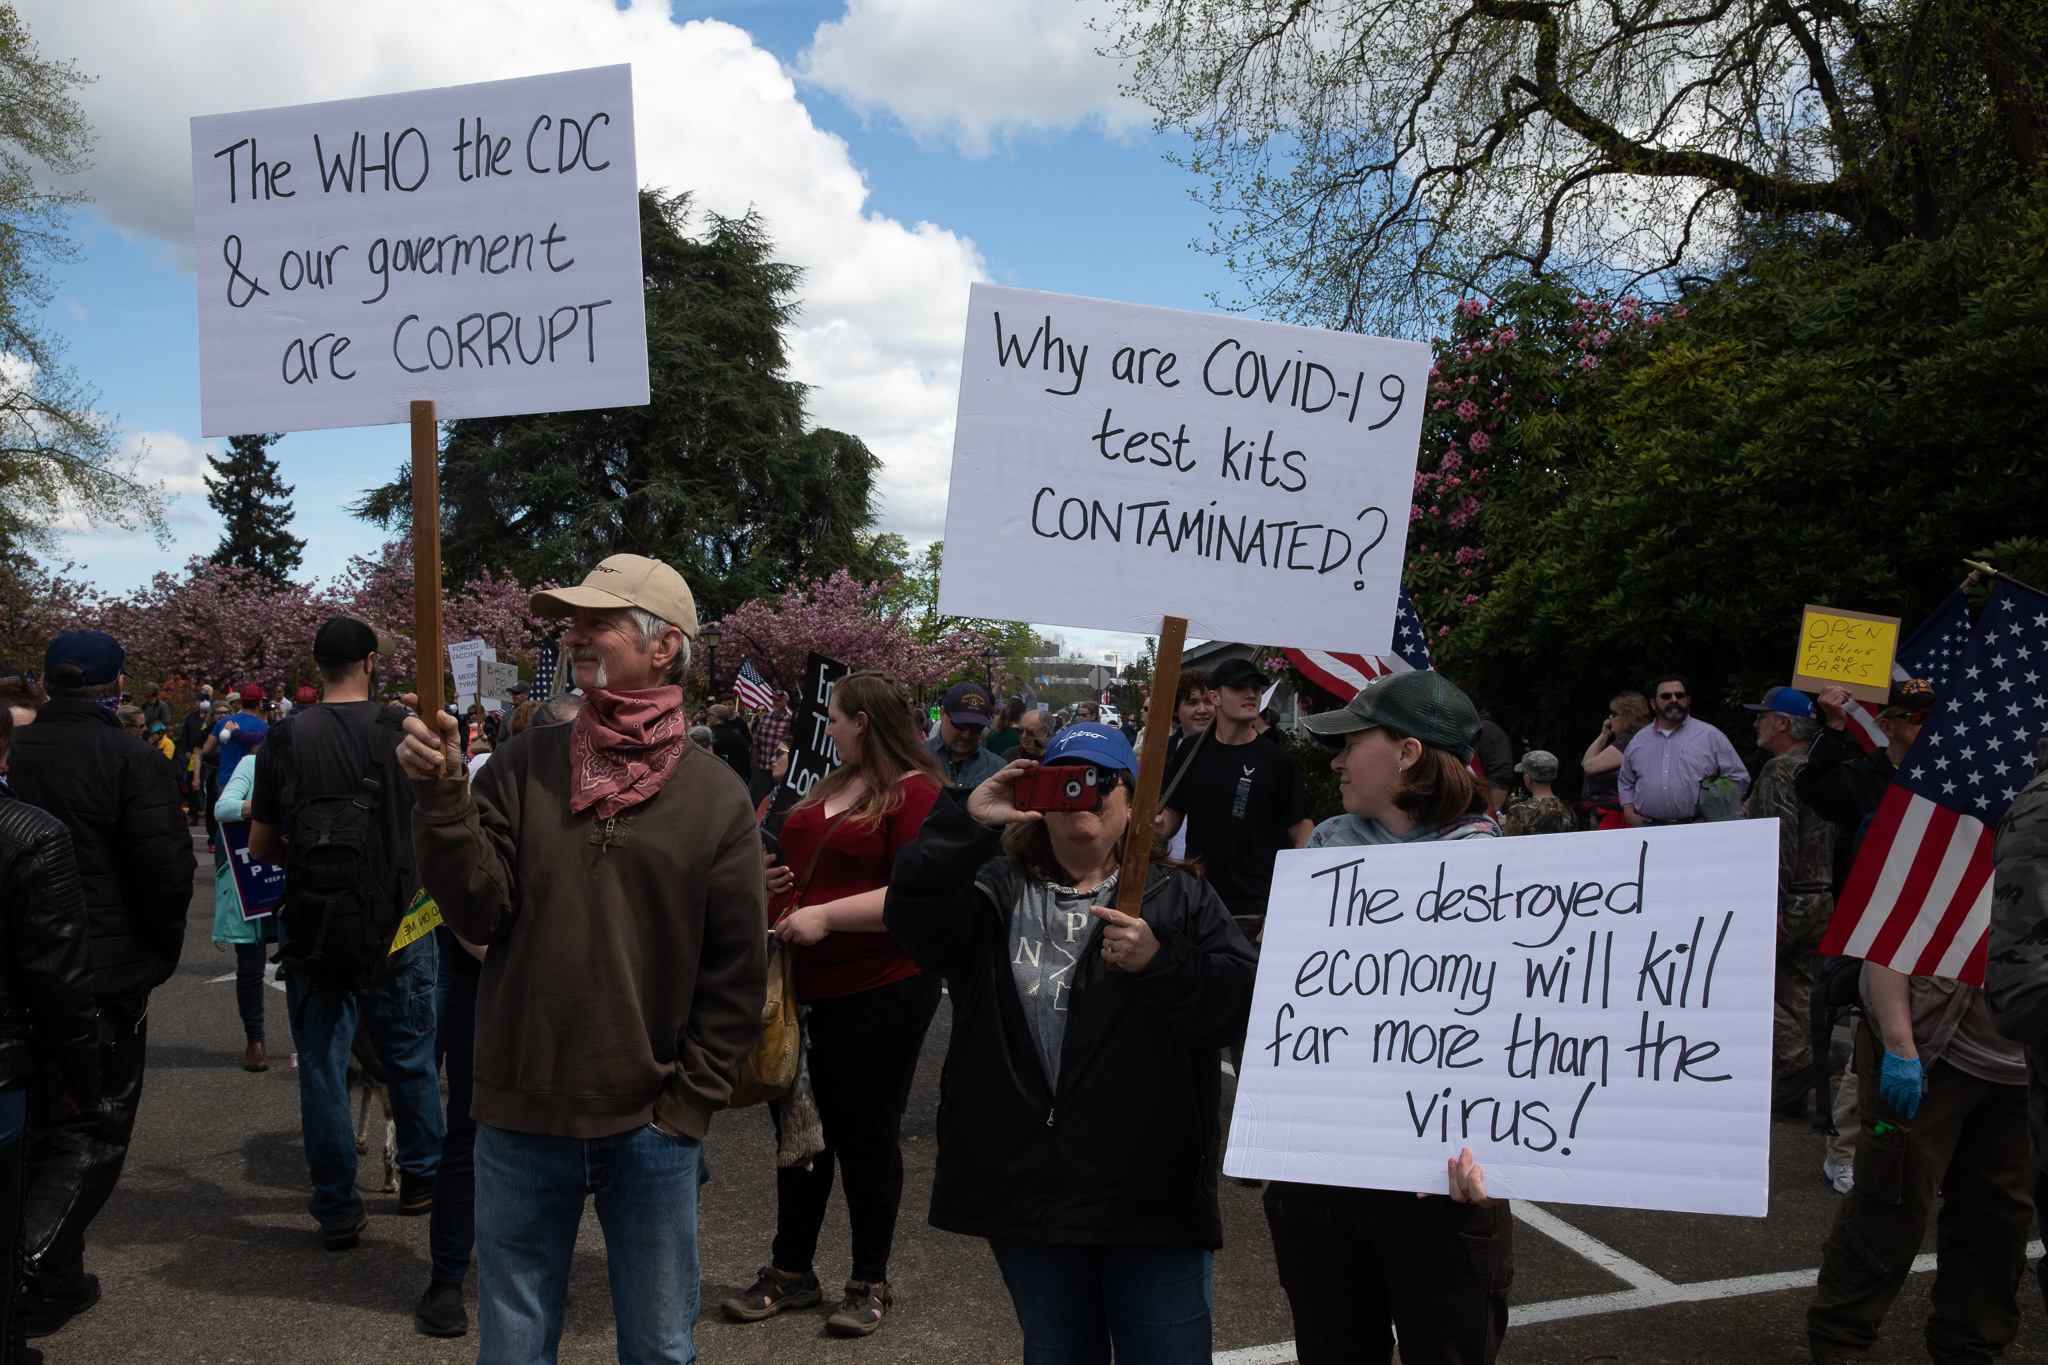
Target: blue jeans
x,y
530,1189
397,1009
249,961
1074,1302
452,1226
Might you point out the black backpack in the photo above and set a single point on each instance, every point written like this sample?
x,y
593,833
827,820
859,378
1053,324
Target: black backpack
x,y
343,898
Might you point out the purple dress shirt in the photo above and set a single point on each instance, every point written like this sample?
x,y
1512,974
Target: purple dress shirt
x,y
1662,770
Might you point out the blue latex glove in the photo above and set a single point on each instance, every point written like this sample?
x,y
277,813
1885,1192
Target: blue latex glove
x,y
1900,1083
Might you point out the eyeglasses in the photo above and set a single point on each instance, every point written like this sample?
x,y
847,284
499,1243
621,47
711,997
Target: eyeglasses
x,y
1673,696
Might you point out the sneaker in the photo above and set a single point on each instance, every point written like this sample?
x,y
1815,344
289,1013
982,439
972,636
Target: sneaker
x,y
440,1312
415,1193
40,1317
773,1292
1840,1175
345,1239
862,1310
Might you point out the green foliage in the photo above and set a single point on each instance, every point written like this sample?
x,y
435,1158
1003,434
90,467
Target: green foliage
x,y
58,456
716,475
1364,158
1314,761
915,592
1840,430
256,506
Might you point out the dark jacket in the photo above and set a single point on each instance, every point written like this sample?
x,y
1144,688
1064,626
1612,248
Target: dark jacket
x,y
1127,1152
732,744
46,1008
1842,789
135,864
1496,756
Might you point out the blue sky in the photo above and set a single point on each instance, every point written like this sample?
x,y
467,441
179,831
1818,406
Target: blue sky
x,y
1077,209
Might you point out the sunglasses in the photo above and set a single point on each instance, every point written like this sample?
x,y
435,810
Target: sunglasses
x,y
1673,696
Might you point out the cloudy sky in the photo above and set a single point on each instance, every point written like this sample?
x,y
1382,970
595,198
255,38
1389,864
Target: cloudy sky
x,y
898,149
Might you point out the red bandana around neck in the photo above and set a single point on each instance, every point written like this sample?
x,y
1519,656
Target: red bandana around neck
x,y
623,747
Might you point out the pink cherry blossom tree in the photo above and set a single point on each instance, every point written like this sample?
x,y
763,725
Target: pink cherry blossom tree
x,y
35,608
492,606
842,619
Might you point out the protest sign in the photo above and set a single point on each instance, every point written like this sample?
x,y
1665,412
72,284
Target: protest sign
x,y
811,753
463,658
475,246
1130,463
1850,649
258,886
494,681
1589,1013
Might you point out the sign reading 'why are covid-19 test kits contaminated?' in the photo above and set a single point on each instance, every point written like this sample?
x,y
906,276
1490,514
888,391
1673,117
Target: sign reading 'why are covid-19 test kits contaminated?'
x,y
1115,463
475,245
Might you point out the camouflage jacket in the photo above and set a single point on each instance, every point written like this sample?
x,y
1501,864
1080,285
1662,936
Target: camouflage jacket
x,y
1539,815
1806,839
2016,971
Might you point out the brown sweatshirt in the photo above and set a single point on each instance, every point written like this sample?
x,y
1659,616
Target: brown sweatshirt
x,y
628,958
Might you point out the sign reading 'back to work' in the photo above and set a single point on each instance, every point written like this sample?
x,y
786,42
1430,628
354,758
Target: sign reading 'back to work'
x,y
1115,463
477,245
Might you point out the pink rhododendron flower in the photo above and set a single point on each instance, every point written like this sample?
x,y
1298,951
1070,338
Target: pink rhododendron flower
x,y
1587,362
1469,308
1468,411
1479,441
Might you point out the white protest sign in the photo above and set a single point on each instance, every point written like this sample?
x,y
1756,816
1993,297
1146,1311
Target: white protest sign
x,y
477,245
495,680
1589,1013
1128,463
463,658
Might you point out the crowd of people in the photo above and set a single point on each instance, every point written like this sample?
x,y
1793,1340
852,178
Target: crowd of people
x,y
572,912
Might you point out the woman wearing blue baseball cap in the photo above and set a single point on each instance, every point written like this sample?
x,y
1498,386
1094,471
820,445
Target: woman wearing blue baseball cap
x,y
1079,1130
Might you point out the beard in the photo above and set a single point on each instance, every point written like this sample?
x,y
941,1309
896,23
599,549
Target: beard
x,y
601,680
1674,712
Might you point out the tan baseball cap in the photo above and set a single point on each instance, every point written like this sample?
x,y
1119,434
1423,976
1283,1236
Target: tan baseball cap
x,y
625,581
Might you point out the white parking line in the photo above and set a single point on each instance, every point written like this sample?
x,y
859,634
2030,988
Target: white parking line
x,y
1647,1289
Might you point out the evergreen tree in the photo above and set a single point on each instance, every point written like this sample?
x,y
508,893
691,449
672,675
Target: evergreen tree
x,y
256,505
717,475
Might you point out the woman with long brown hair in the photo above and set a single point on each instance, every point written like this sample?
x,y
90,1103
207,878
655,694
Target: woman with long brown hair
x,y
1600,794
869,1003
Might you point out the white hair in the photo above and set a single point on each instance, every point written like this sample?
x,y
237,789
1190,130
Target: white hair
x,y
651,628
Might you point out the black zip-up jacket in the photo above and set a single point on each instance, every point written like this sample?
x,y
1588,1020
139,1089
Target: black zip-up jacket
x,y
135,864
45,979
1126,1152
1844,791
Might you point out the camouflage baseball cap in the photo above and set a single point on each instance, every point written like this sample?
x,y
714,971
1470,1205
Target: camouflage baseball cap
x,y
1423,703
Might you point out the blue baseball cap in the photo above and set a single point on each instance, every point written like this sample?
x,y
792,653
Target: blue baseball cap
x,y
1092,743
83,658
1789,700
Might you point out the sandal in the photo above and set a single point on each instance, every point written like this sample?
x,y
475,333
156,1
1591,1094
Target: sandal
x,y
862,1310
774,1291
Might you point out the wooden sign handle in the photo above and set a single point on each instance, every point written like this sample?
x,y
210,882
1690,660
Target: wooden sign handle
x,y
429,668
1130,891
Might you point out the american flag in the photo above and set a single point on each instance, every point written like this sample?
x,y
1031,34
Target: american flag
x,y
1929,654
544,671
1344,674
1919,896
751,688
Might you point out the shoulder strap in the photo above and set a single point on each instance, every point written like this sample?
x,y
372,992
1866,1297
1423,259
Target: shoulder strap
x,y
803,883
1186,761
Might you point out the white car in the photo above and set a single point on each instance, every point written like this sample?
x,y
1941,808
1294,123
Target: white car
x,y
1110,716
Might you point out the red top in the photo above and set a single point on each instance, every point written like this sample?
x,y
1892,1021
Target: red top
x,y
855,860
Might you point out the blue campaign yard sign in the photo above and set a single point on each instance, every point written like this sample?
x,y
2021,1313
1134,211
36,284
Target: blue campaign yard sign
x,y
258,885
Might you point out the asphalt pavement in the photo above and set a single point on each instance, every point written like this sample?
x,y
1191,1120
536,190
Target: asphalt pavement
x,y
206,1252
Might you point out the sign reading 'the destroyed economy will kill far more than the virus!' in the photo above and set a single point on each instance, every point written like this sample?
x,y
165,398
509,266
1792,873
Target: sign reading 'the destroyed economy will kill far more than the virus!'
x,y
1589,1013
1115,463
477,245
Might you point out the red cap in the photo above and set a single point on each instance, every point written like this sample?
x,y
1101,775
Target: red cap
x,y
251,694
308,697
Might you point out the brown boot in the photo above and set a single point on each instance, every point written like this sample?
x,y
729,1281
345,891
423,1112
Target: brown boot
x,y
256,1059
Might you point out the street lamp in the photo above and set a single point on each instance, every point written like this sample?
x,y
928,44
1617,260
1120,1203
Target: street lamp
x,y
988,668
710,635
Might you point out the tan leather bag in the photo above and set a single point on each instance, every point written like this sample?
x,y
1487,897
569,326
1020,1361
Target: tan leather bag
x,y
768,1070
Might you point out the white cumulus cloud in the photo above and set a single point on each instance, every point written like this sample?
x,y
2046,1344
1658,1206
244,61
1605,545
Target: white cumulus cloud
x,y
884,301
973,72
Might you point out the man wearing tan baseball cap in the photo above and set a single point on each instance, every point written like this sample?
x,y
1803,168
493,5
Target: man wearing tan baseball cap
x,y
614,872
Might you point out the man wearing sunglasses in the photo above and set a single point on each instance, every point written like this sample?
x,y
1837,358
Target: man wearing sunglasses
x,y
1666,762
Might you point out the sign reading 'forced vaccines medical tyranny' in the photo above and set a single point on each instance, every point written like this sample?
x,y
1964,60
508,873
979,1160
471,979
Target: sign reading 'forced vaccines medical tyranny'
x,y
476,245
1116,463
1589,1013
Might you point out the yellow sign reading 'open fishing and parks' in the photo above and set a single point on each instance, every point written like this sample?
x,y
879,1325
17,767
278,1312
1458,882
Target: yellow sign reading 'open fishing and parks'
x,y
1851,649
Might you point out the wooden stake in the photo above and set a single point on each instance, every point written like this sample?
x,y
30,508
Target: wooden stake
x,y
431,667
1130,891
